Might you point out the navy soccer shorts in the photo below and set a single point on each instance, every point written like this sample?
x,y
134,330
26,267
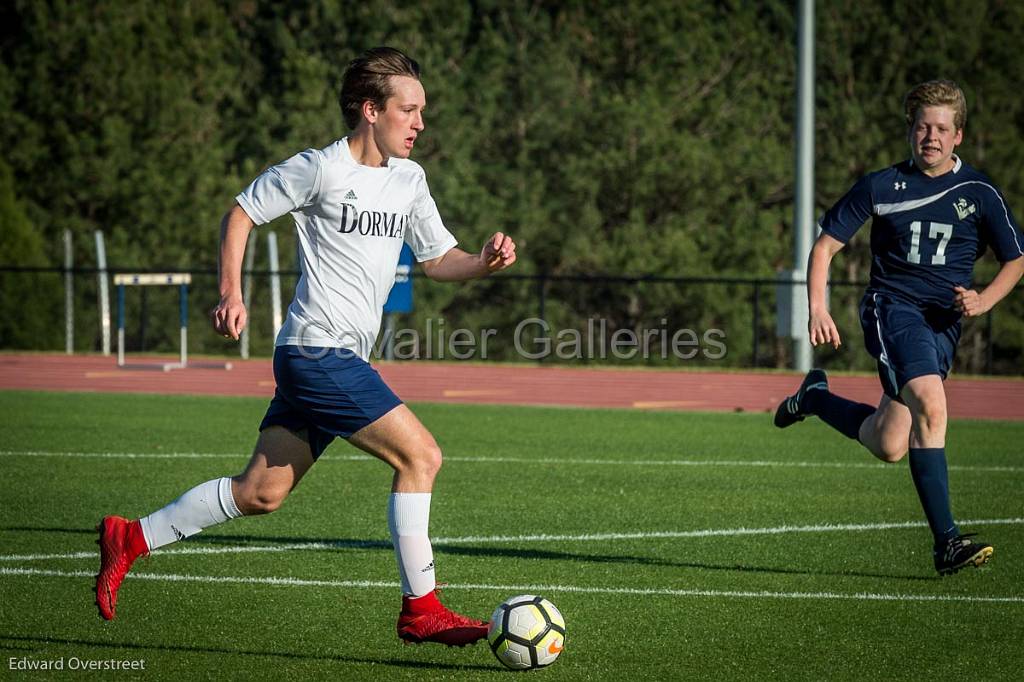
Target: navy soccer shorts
x,y
906,341
329,392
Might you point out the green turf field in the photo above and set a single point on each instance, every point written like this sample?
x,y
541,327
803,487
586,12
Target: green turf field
x,y
678,546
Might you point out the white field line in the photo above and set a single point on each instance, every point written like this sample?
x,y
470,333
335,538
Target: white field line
x,y
534,589
877,466
724,532
520,539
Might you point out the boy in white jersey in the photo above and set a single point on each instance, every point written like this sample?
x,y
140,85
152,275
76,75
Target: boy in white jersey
x,y
355,203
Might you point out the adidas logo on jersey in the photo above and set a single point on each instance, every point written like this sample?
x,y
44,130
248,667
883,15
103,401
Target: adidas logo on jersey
x,y
351,196
963,209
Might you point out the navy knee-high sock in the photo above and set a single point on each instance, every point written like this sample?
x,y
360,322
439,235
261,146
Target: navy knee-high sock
x,y
845,416
928,468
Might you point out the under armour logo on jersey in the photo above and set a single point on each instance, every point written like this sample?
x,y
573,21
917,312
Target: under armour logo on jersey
x,y
899,185
351,195
963,209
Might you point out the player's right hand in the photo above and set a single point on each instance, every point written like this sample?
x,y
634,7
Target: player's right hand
x,y
229,317
823,330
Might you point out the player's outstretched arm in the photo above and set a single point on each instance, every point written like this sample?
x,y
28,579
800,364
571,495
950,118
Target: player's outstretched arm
x,y
973,303
229,317
820,325
456,265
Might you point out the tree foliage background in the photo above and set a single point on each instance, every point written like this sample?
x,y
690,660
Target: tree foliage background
x,y
641,138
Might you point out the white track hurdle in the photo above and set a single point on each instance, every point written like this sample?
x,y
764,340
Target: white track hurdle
x,y
181,280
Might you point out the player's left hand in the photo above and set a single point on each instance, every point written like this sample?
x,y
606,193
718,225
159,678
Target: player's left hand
x,y
969,302
499,252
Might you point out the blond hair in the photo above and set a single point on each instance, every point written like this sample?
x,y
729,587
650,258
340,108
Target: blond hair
x,y
936,93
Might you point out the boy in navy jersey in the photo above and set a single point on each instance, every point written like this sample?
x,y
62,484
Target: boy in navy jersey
x,y
932,217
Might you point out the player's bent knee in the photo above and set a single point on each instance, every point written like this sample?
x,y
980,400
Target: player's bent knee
x,y
890,450
253,502
891,454
431,459
258,505
934,416
425,461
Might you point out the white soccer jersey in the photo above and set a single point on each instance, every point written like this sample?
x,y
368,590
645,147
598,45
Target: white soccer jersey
x,y
351,220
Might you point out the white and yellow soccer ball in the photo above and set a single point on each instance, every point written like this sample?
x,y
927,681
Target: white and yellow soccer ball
x,y
526,632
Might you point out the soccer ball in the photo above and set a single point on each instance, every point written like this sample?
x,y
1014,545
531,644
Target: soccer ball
x,y
526,632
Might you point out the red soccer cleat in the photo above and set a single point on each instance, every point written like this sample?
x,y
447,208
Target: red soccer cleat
x,y
121,543
426,619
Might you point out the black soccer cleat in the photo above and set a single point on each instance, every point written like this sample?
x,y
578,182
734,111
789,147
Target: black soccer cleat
x,y
961,552
792,409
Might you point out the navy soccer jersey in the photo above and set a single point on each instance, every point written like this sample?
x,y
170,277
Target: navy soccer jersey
x,y
926,232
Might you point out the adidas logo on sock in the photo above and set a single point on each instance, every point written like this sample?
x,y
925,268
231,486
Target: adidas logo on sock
x,y
430,567
351,195
178,534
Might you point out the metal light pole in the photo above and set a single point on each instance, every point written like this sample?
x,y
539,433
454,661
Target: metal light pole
x,y
803,205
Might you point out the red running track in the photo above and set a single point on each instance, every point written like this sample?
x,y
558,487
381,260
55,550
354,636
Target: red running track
x,y
503,384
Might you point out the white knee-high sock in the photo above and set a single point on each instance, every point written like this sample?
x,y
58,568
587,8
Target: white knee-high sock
x,y
205,505
408,518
